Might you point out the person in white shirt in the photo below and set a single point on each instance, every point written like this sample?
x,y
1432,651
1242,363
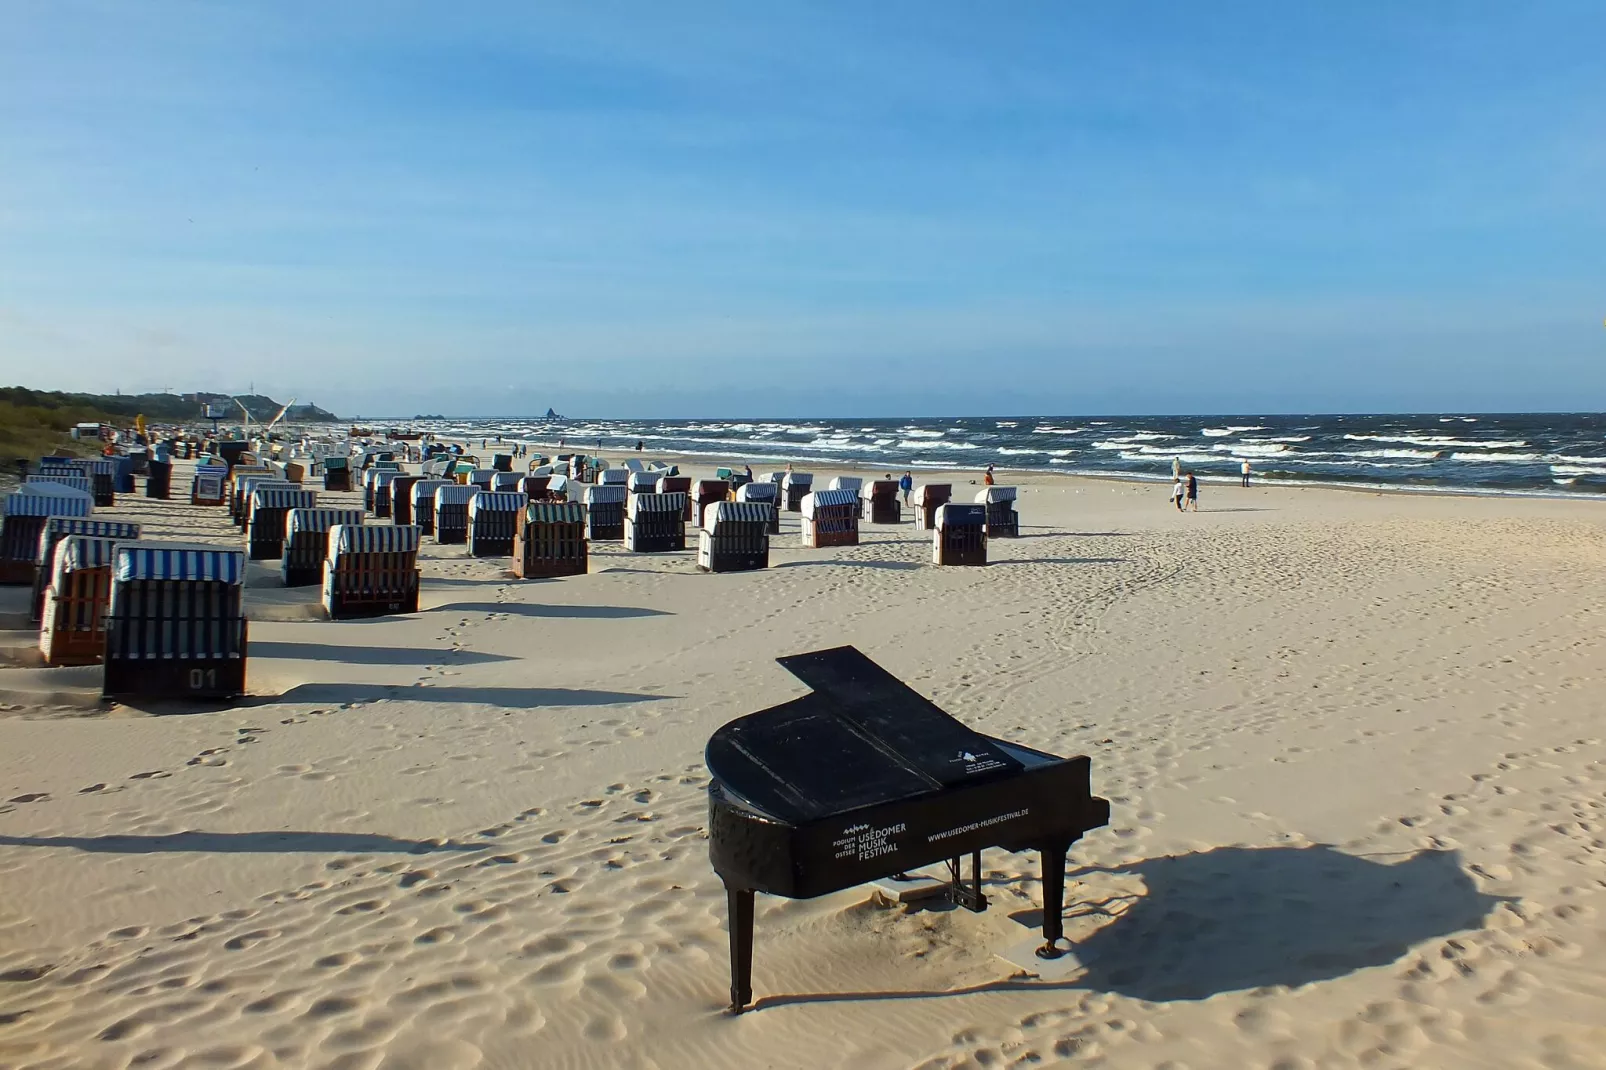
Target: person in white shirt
x,y
1176,493
1246,472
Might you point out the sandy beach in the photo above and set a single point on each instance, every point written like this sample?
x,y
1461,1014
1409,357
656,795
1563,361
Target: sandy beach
x,y
1351,742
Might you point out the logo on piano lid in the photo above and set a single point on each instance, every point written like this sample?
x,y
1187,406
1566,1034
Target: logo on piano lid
x,y
976,763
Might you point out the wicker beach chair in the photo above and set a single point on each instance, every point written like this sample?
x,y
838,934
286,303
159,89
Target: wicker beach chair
x,y
72,629
424,503
830,518
102,472
57,528
767,493
482,478
734,537
550,540
492,520
265,520
26,513
159,484
853,483
1002,519
371,571
208,486
248,487
336,473
502,462
505,481
175,626
959,535
929,497
613,476
401,498
678,485
643,483
605,512
704,493
451,513
793,487
535,487
59,478
655,523
306,542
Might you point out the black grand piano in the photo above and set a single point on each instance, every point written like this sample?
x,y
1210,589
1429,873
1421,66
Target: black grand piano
x,y
864,779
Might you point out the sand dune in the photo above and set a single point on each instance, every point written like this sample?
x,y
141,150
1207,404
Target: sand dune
x,y
1351,742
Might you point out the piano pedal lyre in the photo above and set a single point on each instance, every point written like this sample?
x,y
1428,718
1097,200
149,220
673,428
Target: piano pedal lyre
x,y
967,895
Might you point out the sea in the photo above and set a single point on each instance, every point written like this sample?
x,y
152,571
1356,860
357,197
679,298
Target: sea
x,y
1548,453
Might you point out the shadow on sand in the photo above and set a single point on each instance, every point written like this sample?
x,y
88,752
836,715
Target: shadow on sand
x,y
1239,918
516,609
513,698
373,655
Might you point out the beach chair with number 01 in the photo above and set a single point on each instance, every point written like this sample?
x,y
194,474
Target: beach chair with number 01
x,y
371,571
175,623
734,537
73,613
550,540
960,535
306,542
831,518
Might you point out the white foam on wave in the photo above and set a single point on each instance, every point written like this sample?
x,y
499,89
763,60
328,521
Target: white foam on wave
x,y
1252,449
1417,455
915,432
1577,470
1047,430
930,445
1223,432
1278,438
1498,458
1442,441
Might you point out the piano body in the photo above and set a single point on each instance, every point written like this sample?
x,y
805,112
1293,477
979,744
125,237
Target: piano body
x,y
865,778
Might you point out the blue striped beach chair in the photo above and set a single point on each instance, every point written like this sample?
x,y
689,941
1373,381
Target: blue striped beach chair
x,y
306,542
655,523
493,520
57,528
605,512
550,540
265,519
734,537
371,571
59,478
769,494
505,481
175,624
830,518
72,629
451,513
424,503
794,487
208,486
26,512
1002,519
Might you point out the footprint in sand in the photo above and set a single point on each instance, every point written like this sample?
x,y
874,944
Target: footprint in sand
x,y
37,796
154,774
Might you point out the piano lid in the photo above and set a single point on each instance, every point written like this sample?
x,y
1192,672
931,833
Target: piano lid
x,y
861,738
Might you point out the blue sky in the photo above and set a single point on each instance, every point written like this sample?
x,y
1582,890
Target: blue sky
x,y
809,209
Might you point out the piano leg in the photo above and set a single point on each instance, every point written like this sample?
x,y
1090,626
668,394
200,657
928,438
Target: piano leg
x,y
1053,902
739,902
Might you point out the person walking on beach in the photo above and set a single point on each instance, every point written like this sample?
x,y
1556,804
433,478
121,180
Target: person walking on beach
x,y
1246,472
638,445
1193,493
1176,468
988,478
906,484
1176,492
749,470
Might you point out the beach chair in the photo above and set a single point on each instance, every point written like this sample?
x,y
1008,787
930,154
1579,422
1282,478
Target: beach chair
x,y
506,481
492,519
535,487
853,483
502,462
248,487
78,482
451,513
830,518
678,485
371,571
265,519
233,452
336,473
481,478
424,503
295,473
159,484
102,472
401,498
175,625
734,537
207,488
722,474
26,513
960,535
550,540
705,492
643,483
605,512
609,477
239,481
655,523
306,542
767,493
384,497
1002,520
794,487
929,497
57,528
72,629
558,489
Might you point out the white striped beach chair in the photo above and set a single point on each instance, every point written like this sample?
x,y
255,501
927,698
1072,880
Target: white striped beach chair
x,y
306,542
57,528
610,476
423,494
794,487
371,571
677,485
451,512
655,523
734,537
102,475
1002,519
265,519
643,483
175,624
960,535
853,483
481,478
72,629
493,516
830,518
605,512
550,540
929,497
767,493
505,480
77,481
26,512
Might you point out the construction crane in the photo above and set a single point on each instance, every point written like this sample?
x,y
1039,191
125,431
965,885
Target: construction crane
x,y
275,422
